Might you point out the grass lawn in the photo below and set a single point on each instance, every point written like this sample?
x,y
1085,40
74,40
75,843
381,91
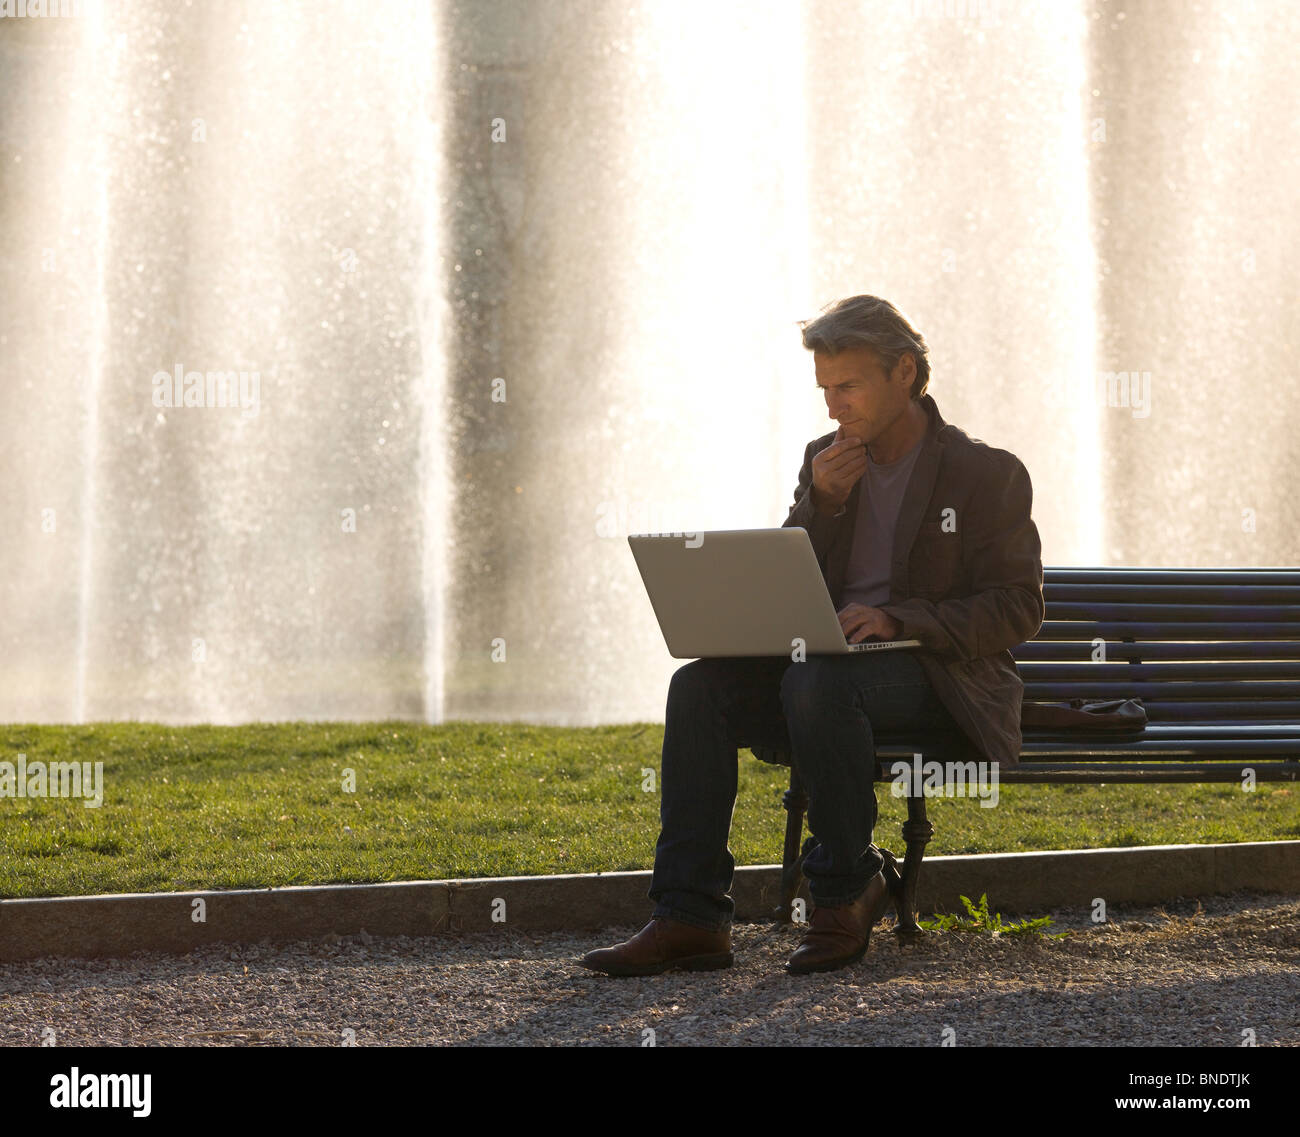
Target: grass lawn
x,y
204,807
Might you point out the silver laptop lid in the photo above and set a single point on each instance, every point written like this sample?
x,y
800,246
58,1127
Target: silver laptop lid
x,y
738,592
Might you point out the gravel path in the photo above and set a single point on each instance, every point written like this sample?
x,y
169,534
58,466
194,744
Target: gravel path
x,y
1151,977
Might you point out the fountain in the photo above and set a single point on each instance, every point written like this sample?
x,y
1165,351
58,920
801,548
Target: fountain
x,y
517,279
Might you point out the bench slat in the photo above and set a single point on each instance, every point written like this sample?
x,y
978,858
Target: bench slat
x,y
1155,651
1183,731
1083,630
1116,612
1216,689
1225,595
1064,773
1162,731
1276,710
1149,744
1187,670
1165,747
1158,576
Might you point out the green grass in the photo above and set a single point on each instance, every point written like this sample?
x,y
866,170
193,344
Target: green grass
x,y
263,805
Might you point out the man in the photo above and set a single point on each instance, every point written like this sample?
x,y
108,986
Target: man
x,y
921,533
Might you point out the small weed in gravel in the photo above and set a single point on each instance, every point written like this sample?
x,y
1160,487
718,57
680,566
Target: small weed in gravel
x,y
978,919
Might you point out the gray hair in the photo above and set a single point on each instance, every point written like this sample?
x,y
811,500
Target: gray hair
x,y
869,321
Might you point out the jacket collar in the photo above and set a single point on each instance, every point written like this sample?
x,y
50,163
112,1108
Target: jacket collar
x,y
931,408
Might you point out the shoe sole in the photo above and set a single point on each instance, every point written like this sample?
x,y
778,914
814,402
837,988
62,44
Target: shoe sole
x,y
689,963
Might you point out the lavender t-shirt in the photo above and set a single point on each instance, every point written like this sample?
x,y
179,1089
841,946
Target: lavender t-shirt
x,y
866,580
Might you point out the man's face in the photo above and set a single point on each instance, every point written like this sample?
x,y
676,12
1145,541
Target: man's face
x,y
860,395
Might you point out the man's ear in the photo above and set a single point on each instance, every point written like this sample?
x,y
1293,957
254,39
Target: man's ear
x,y
905,368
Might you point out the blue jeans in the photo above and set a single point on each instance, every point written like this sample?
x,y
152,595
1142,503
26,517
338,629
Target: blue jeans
x,y
823,712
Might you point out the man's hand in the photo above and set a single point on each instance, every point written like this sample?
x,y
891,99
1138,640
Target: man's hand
x,y
837,469
859,622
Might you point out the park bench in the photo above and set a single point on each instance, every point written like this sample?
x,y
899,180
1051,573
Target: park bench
x,y
1214,655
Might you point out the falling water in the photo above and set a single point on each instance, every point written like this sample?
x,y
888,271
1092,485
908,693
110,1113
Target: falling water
x,y
246,191
432,319
97,57
519,278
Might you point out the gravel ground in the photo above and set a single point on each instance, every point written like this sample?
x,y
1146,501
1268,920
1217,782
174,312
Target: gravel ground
x,y
1153,976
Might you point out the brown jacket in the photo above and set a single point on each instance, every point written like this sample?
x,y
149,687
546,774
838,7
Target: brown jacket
x,y
968,595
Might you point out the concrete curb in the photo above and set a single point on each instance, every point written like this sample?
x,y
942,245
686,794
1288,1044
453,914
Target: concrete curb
x,y
117,925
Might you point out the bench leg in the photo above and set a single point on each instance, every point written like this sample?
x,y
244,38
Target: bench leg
x,y
917,832
795,801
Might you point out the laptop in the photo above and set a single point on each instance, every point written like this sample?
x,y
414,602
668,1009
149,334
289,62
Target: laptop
x,y
738,592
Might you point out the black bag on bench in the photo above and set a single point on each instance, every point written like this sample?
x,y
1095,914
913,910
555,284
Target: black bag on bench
x,y
1082,714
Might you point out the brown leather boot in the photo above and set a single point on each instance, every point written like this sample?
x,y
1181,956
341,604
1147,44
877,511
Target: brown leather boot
x,y
839,936
664,944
